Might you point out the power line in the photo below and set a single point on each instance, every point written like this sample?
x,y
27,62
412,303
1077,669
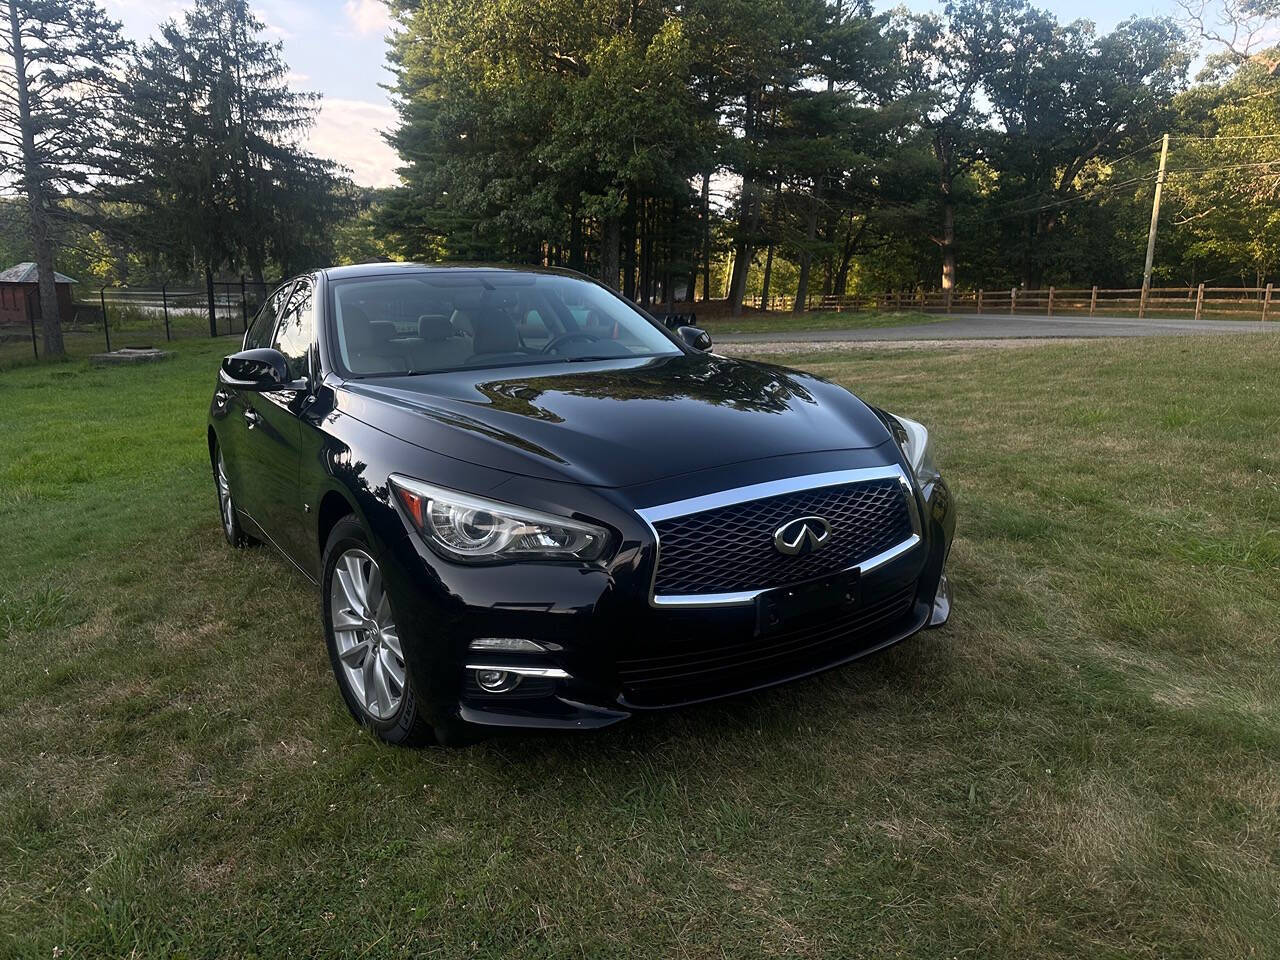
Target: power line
x,y
1243,136
1112,163
1048,193
1230,166
1101,191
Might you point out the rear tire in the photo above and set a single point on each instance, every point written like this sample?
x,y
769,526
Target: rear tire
x,y
231,528
368,659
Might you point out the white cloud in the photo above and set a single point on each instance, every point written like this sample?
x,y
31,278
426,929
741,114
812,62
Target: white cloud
x,y
368,16
349,131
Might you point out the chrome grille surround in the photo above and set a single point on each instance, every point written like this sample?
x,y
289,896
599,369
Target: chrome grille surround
x,y
761,491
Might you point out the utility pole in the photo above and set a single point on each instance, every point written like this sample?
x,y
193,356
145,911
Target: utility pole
x,y
1155,218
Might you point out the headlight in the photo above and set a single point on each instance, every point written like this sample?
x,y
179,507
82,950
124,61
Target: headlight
x,y
475,530
914,440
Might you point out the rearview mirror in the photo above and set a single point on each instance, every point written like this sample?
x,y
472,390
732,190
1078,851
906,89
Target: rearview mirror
x,y
259,370
695,337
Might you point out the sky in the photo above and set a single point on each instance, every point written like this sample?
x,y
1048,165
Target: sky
x,y
338,48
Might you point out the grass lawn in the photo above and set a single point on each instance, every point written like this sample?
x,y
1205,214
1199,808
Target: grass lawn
x,y
787,322
1084,763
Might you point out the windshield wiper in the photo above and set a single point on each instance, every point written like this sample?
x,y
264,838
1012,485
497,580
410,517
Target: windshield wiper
x,y
590,358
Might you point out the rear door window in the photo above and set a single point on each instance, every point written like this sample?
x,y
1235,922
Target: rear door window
x,y
296,332
264,324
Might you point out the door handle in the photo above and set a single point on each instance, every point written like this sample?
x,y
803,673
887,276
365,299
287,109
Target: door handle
x,y
252,418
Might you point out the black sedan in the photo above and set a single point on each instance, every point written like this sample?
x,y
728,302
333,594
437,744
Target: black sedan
x,y
527,503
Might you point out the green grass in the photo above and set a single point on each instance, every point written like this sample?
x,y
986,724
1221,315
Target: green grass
x,y
1083,763
786,322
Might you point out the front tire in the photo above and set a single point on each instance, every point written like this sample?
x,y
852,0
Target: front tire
x,y
369,661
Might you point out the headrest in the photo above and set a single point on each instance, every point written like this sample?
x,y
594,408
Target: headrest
x,y
355,324
434,327
380,331
495,332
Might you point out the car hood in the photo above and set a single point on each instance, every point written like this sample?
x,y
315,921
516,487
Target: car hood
x,y
617,422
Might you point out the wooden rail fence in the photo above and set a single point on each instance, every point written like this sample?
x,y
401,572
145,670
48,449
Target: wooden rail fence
x,y
1240,303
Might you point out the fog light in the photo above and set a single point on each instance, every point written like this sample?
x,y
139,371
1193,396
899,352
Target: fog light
x,y
496,681
508,644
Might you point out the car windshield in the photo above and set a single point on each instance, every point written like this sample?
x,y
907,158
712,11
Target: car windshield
x,y
455,319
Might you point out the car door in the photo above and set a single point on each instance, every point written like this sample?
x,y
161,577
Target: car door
x,y
273,432
235,414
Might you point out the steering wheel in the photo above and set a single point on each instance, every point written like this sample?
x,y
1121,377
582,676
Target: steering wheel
x,y
566,337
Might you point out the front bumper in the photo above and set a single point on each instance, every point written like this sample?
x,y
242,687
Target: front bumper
x,y
609,653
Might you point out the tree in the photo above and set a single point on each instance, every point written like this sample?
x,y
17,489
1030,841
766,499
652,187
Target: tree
x,y
210,155
1068,100
830,139
1224,181
1241,30
945,63
576,126
56,109
760,51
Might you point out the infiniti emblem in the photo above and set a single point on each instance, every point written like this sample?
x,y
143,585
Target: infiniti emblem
x,y
800,536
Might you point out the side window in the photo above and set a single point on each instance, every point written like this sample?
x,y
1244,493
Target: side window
x,y
264,323
296,332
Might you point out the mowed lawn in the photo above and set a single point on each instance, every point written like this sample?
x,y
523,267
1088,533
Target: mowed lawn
x,y
1084,763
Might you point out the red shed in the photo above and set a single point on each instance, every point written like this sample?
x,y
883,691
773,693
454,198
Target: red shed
x,y
20,297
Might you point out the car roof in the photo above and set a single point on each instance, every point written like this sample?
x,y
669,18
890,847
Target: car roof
x,y
392,269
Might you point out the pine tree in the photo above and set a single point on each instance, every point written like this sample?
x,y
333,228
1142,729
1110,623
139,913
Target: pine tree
x,y
56,110
211,148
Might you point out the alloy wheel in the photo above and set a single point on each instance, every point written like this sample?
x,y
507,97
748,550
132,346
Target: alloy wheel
x,y
367,640
225,505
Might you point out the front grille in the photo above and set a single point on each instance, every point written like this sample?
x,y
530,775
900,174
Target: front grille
x,y
730,549
691,668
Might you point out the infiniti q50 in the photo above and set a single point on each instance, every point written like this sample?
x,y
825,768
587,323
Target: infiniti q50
x,y
527,503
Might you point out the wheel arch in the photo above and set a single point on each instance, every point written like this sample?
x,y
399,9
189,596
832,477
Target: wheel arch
x,y
334,505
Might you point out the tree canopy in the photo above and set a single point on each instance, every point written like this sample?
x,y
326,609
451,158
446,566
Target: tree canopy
x,y
648,140
673,148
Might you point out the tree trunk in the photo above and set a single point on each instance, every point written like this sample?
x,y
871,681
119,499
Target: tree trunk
x,y
748,220
629,245
948,250
670,247
943,150
851,242
806,254
706,240
610,238
768,276
646,255
50,318
575,240
828,261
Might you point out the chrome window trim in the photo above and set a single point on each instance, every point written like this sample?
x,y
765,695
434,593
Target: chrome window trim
x,y
761,491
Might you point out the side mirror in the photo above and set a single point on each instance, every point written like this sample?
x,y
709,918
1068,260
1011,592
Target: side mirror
x,y
695,337
259,370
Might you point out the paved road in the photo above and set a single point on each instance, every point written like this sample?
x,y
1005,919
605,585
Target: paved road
x,y
966,326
